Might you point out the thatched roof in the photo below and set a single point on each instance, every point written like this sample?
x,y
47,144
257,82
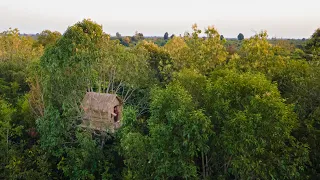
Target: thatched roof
x,y
100,101
98,109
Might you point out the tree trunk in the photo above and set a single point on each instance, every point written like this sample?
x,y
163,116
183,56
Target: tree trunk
x,y
203,166
7,146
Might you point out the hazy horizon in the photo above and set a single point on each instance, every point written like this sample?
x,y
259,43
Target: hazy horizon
x,y
282,19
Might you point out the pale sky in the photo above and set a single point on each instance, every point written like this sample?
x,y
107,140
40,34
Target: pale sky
x,y
281,18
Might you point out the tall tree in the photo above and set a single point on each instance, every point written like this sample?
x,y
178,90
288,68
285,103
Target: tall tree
x,y
126,41
166,36
137,36
257,54
250,120
159,60
118,35
178,134
297,82
313,45
48,37
197,53
240,36
68,71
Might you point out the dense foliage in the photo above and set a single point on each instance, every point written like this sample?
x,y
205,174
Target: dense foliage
x,y
194,107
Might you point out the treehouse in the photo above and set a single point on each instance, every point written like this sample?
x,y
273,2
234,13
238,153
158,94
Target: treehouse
x,y
102,111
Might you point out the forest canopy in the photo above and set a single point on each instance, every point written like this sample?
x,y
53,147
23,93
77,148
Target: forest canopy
x,y
195,107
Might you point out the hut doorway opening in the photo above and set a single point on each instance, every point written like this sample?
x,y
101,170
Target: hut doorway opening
x,y
115,114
